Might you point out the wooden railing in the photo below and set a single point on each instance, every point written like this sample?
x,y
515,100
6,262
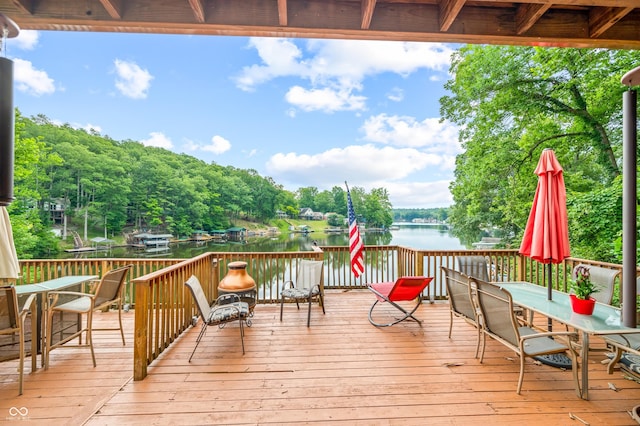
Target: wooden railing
x,y
163,309
35,271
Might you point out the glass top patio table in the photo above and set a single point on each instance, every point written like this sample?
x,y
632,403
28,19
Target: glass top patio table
x,y
604,320
54,284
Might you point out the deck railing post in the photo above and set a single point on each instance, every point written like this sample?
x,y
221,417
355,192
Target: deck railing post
x,y
141,331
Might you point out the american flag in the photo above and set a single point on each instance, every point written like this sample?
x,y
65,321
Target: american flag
x,y
356,247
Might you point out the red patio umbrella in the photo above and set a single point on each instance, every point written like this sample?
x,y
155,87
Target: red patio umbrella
x,y
546,236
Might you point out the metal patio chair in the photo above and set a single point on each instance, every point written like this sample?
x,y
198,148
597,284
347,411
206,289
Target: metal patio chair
x,y
12,322
461,301
101,295
308,286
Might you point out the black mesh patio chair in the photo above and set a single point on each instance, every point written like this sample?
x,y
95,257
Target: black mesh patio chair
x,y
227,308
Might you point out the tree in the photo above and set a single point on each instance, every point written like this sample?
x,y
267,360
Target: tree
x,y
32,159
378,209
512,102
307,197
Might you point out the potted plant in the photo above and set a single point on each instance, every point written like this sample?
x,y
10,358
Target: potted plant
x,y
582,288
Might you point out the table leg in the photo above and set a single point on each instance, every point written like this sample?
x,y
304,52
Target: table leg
x,y
584,357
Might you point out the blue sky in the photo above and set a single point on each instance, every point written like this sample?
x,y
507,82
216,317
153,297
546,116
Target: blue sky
x,y
304,112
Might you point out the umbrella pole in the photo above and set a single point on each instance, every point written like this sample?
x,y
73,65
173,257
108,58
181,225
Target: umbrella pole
x,y
549,293
554,360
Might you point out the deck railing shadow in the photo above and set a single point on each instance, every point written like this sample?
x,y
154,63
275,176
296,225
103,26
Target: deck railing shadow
x,y
164,309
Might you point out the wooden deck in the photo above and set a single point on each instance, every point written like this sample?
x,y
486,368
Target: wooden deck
x,y
342,370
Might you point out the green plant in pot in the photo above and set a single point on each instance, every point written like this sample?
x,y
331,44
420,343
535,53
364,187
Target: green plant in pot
x,y
582,288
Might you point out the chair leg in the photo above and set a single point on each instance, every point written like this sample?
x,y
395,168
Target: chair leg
x,y
204,327
48,337
21,362
484,343
120,320
521,377
281,306
242,334
322,301
616,357
90,337
309,313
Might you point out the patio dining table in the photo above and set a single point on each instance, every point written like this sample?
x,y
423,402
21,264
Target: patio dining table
x,y
42,290
604,320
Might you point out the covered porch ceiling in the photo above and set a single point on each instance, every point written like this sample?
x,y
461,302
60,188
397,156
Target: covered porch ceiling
x,y
563,23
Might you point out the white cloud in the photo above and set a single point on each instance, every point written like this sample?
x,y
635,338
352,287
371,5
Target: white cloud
x,y
355,59
415,163
26,40
367,162
132,81
30,80
419,194
441,137
159,140
325,99
369,167
218,145
340,65
396,94
279,57
89,128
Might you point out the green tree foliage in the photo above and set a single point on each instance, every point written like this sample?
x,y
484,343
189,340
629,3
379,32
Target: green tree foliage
x,y
510,104
32,160
118,184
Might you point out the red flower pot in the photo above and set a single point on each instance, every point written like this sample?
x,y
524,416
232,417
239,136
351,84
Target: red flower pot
x,y
582,306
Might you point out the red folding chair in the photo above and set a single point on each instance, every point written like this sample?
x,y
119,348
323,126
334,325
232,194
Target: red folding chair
x,y
405,289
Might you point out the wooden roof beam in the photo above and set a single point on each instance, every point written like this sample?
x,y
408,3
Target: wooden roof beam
x,y
449,10
367,8
528,14
198,10
603,18
282,13
113,8
25,5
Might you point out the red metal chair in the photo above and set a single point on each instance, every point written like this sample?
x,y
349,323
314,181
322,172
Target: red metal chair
x,y
404,289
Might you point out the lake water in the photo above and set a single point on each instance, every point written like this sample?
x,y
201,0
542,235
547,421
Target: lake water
x,y
417,236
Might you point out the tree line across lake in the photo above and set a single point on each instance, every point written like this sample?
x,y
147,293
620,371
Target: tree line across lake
x,y
112,185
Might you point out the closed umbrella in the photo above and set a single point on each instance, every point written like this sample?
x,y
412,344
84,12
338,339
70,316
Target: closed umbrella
x,y
9,267
546,236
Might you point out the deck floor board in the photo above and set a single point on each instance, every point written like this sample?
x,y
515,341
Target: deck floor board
x,y
341,370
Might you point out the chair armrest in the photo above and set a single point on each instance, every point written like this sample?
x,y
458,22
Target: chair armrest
x,y
550,334
222,298
314,287
28,305
567,336
284,285
54,295
92,286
